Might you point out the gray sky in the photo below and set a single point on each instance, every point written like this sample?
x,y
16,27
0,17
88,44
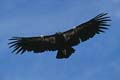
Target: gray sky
x,y
95,59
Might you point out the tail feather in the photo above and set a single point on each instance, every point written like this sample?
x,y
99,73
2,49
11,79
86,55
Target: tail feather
x,y
66,53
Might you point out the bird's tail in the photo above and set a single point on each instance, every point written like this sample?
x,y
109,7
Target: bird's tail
x,y
66,53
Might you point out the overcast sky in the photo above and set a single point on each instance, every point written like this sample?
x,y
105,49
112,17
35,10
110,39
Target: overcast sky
x,y
95,59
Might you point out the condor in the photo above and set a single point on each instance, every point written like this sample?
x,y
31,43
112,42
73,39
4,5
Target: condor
x,y
63,42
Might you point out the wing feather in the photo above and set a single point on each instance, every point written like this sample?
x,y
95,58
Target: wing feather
x,y
35,44
96,25
87,30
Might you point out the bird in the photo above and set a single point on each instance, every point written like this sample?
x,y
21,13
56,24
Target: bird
x,y
62,42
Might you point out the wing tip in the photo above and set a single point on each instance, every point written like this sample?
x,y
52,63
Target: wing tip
x,y
102,17
15,44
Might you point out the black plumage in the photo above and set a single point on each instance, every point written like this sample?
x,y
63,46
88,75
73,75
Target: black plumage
x,y
62,41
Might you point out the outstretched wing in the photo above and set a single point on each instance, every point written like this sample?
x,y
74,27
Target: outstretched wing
x,y
35,44
73,36
87,30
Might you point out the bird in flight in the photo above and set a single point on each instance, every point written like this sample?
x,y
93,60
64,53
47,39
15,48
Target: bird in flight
x,y
62,42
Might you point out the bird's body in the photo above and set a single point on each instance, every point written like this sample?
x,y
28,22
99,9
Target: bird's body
x,y
63,42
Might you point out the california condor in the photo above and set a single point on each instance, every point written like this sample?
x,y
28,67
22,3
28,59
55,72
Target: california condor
x,y
63,42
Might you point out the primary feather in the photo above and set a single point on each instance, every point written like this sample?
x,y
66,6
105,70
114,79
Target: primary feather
x,y
64,41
